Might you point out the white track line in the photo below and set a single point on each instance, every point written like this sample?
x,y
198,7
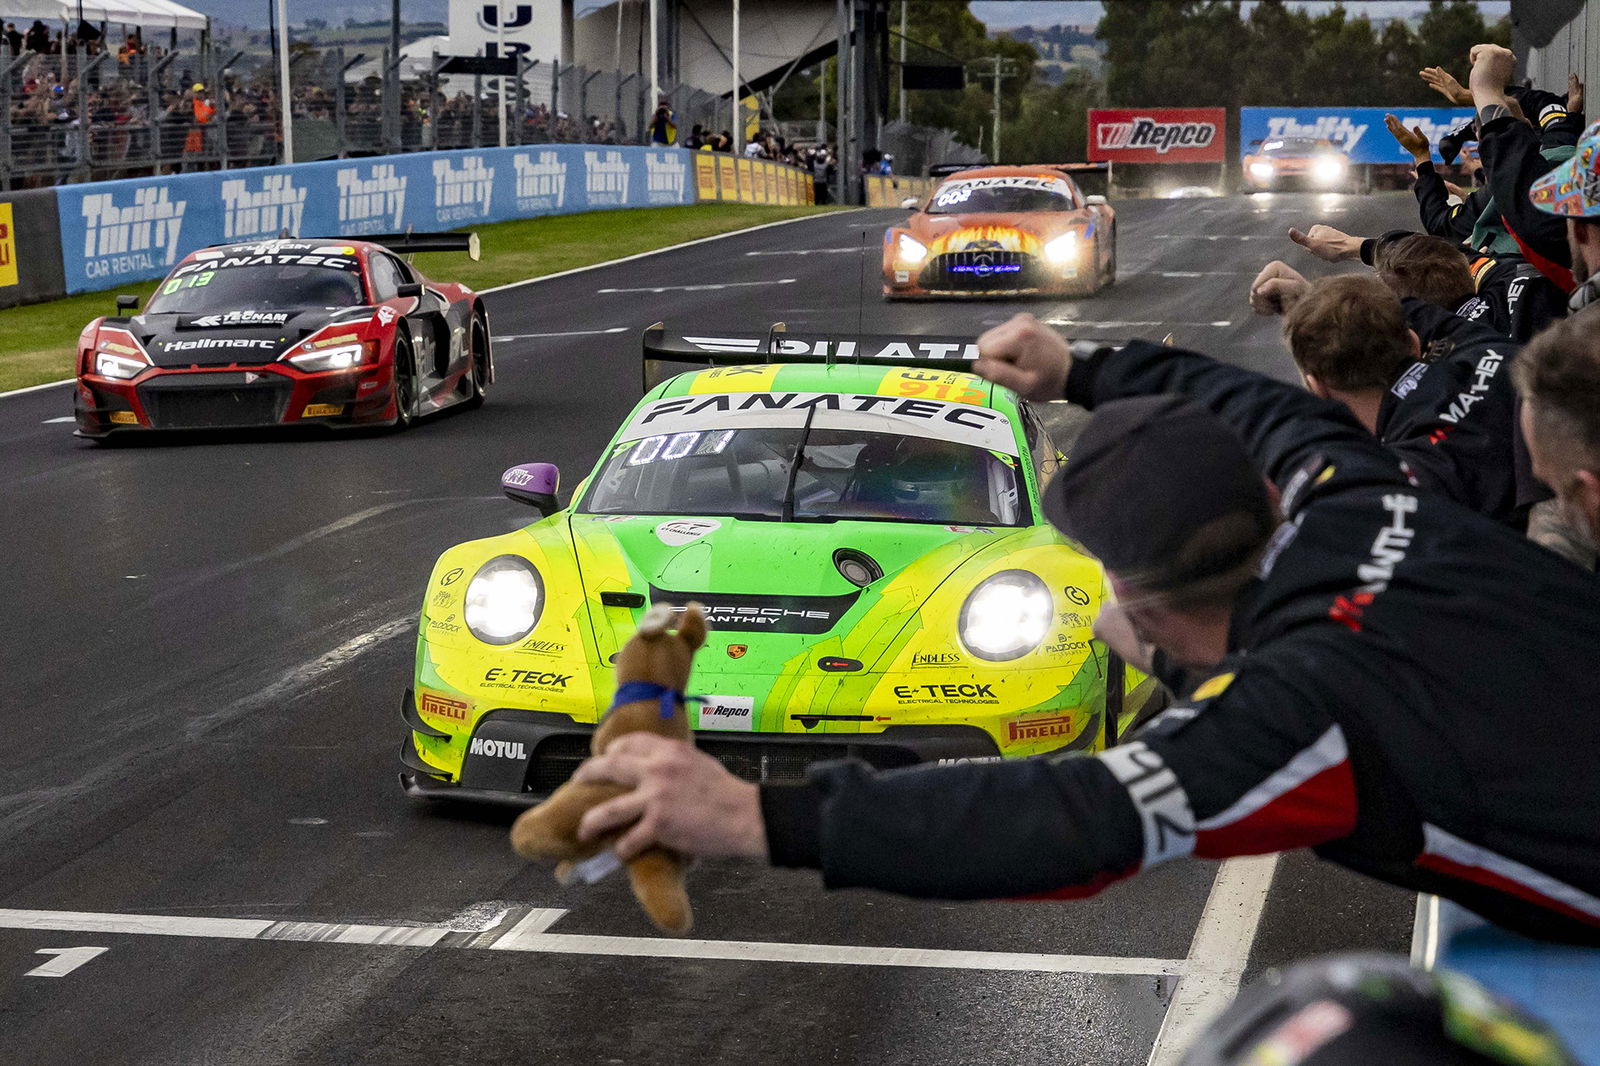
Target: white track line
x,y
529,935
1217,955
568,333
708,287
668,248
36,388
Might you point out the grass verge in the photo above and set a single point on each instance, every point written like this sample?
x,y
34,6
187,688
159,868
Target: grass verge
x,y
36,341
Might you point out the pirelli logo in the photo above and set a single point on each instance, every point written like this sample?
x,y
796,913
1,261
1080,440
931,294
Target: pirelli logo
x,y
441,707
1042,728
1163,805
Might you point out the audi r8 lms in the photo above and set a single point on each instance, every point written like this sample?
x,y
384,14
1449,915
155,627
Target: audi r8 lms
x,y
865,538
1296,162
288,332
1004,231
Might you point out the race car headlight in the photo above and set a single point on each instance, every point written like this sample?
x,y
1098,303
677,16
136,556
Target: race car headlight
x,y
910,250
117,366
1327,170
341,358
1006,616
1064,249
1263,171
503,600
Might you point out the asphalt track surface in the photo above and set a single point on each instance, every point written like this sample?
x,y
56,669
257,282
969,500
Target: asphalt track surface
x,y
206,645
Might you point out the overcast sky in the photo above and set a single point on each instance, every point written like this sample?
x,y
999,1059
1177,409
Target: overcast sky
x,y
998,14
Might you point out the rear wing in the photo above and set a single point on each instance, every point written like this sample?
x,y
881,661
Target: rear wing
x,y
778,345
409,243
944,170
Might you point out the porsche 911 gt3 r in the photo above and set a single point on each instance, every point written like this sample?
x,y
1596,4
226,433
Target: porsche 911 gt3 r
x,y
1004,231
866,540
288,332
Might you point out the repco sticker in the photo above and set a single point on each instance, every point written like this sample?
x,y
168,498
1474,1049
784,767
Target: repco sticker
x,y
685,530
728,713
500,677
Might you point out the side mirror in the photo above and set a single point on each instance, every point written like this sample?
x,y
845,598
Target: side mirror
x,y
1095,201
410,289
534,484
127,303
910,203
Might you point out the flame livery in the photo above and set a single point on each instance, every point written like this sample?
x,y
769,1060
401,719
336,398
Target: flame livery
x,y
1003,231
330,333
866,543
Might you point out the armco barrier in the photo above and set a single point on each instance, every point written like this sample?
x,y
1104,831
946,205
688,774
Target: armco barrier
x,y
120,231
884,191
30,248
720,176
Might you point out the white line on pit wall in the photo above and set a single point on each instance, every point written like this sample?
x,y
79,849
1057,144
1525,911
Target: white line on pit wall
x,y
529,933
568,333
1217,955
703,288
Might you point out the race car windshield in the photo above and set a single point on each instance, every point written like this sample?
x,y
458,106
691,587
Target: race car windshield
x,y
1295,146
257,288
1000,199
845,474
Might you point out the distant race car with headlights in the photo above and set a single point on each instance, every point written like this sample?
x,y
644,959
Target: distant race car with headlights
x,y
1004,231
1297,163
334,332
866,540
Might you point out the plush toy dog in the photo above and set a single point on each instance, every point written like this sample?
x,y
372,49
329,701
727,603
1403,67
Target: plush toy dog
x,y
652,673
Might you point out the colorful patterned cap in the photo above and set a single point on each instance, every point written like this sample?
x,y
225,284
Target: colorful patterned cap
x,y
1573,188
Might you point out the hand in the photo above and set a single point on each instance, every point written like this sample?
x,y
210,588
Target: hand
x,y
1276,288
682,800
1455,190
1025,356
1444,83
1574,94
1412,140
1328,244
1493,68
1114,628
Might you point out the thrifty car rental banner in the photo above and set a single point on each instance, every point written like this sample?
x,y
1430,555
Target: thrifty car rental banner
x,y
1358,130
117,231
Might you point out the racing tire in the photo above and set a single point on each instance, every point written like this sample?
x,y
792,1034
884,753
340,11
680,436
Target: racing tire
x,y
478,375
405,383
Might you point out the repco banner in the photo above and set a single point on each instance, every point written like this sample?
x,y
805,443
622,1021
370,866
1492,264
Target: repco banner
x,y
1158,135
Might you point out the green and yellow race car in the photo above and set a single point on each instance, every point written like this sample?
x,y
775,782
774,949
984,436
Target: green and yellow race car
x,y
860,520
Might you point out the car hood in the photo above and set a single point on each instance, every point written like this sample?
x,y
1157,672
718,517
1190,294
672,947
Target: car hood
x,y
771,586
227,338
953,232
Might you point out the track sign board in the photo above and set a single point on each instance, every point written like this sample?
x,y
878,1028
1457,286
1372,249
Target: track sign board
x,y
1158,135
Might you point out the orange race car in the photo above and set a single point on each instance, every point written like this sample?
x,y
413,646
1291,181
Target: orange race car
x,y
1303,162
1004,231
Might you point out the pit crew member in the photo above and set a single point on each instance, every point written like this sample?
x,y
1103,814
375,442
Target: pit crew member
x,y
1391,679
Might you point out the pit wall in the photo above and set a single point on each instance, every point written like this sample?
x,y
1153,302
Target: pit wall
x,y
83,238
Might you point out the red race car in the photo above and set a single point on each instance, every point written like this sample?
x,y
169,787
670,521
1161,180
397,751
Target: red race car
x,y
1004,231
330,332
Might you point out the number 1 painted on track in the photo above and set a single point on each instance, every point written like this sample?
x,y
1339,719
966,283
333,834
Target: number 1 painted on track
x,y
66,960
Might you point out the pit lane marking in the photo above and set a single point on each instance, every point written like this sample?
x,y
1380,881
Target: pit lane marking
x,y
66,960
702,288
1217,954
530,934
